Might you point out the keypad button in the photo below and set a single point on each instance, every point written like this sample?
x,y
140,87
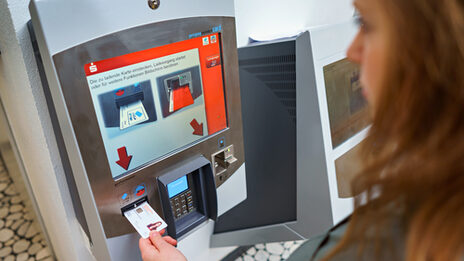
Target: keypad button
x,y
182,204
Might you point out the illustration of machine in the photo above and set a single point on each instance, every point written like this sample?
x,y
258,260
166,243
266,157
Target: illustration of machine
x,y
128,106
179,90
128,95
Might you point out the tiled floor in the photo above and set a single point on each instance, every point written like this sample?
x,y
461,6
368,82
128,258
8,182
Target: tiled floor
x,y
20,238
270,251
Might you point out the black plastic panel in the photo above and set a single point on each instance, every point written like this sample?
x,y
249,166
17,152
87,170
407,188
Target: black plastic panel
x,y
201,184
268,94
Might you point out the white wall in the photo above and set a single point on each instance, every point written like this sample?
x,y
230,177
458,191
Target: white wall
x,y
260,18
25,106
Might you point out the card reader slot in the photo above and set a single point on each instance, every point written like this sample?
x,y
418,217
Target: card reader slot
x,y
128,95
223,159
134,205
129,99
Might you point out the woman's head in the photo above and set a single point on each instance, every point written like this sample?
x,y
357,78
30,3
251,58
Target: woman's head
x,y
369,48
411,54
408,42
412,67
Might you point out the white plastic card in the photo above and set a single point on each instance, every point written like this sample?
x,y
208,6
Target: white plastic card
x,y
145,219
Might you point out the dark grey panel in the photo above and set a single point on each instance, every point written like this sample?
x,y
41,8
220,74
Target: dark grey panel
x,y
268,89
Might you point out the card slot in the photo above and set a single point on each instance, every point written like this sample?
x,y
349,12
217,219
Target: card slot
x,y
134,205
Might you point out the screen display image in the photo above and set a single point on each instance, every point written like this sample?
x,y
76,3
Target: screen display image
x,y
178,186
347,167
153,102
128,106
348,111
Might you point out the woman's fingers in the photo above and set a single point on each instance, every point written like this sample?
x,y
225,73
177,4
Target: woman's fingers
x,y
145,244
157,240
147,250
158,248
170,240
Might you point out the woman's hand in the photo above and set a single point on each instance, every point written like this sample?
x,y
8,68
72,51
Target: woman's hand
x,y
157,248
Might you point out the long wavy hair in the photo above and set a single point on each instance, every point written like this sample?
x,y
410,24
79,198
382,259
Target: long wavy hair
x,y
414,152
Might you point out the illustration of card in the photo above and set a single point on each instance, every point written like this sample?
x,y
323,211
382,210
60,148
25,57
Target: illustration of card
x,y
145,219
132,114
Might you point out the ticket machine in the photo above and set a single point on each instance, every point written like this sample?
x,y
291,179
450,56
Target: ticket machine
x,y
146,103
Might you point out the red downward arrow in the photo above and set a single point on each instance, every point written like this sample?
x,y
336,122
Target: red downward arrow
x,y
124,160
197,128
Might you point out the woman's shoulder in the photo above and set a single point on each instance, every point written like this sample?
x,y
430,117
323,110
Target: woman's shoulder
x,y
309,249
385,245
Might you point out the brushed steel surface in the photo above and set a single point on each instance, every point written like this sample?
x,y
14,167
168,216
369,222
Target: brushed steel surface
x,y
69,65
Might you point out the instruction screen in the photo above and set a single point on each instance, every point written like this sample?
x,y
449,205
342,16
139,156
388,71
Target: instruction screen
x,y
153,102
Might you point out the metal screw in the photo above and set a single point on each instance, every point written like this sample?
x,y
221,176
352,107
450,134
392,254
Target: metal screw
x,y
154,4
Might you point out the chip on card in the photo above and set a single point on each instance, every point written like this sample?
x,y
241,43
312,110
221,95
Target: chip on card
x,y
145,219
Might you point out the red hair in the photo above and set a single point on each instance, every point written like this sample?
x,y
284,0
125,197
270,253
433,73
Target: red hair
x,y
414,152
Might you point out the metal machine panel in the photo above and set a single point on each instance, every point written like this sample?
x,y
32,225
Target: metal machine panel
x,y
96,32
106,190
84,20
